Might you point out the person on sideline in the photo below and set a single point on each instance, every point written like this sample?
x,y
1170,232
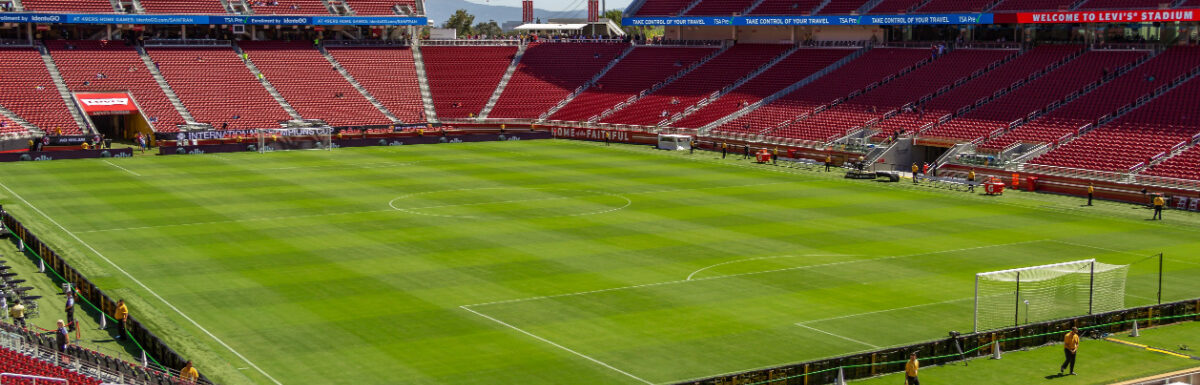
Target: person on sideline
x,y
1070,349
1091,193
188,374
70,310
915,169
122,315
745,151
1159,202
910,370
971,180
17,311
828,162
692,147
775,156
724,149
61,337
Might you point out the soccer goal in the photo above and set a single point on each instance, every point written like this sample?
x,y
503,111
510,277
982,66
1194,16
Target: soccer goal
x,y
1040,293
290,139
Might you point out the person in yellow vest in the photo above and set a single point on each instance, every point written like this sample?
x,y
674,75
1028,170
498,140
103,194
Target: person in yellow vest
x,y
1091,193
188,374
915,169
828,162
971,181
122,314
17,311
775,156
1070,348
724,149
910,370
1159,203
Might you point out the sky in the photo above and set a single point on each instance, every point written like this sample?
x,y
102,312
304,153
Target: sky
x,y
555,5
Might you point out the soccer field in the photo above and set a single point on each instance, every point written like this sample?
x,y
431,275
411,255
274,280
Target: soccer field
x,y
549,262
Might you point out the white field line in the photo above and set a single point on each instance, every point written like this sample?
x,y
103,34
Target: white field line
x,y
139,283
881,311
745,274
838,336
122,168
1100,248
693,274
552,343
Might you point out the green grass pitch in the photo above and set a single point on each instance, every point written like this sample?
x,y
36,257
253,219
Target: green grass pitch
x,y
549,262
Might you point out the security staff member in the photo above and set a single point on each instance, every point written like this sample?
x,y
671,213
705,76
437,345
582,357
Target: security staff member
x,y
17,311
188,374
724,149
1159,202
1070,348
1091,193
971,180
775,156
915,170
122,315
910,370
692,147
828,162
745,151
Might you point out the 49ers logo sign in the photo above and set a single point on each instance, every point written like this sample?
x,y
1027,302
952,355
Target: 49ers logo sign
x,y
106,104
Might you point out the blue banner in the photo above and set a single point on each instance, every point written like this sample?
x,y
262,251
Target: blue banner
x,y
56,18
969,18
677,21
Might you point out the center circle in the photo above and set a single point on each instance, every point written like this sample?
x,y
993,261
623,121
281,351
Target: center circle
x,y
510,202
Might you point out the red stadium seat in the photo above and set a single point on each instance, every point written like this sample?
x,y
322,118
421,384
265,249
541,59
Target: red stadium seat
x,y
79,62
311,85
548,73
30,92
389,74
462,79
193,72
638,71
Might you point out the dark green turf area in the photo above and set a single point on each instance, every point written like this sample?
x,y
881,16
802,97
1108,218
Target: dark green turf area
x,y
1099,362
549,262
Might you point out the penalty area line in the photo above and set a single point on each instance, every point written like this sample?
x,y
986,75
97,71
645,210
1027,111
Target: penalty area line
x,y
838,336
552,343
122,168
139,283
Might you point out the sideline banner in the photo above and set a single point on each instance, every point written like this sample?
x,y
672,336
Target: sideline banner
x,y
106,104
1127,16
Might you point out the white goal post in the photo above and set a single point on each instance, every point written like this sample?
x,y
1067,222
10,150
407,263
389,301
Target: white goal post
x,y
1048,292
296,138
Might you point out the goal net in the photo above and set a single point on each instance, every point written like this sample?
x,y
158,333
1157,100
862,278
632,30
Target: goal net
x,y
1040,293
290,139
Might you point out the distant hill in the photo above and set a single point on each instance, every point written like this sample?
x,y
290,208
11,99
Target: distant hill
x,y
440,10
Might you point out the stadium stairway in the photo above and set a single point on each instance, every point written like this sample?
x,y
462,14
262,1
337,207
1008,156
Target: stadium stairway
x,y
666,82
357,86
462,79
550,72
1033,98
1155,126
736,84
596,78
796,67
704,81
266,83
1120,89
423,84
1031,65
14,126
63,91
708,128
635,72
508,74
312,85
388,74
166,88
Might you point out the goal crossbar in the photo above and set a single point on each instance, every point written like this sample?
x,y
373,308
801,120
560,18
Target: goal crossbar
x,y
1042,267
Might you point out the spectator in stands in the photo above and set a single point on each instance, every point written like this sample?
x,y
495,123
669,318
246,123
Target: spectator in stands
x,y
17,312
910,370
122,316
1070,349
61,337
188,374
1159,203
70,310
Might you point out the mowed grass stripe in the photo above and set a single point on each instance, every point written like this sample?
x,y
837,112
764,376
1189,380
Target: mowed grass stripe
x,y
266,249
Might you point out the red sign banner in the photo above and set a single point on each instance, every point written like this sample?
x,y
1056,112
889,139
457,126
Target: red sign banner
x,y
106,104
592,134
1130,16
